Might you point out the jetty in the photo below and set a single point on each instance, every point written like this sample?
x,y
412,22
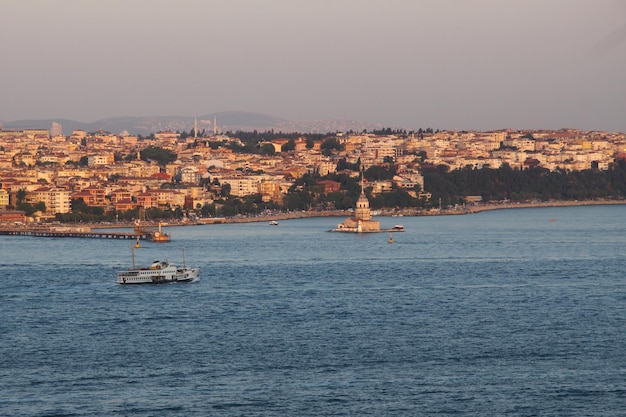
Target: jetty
x,y
67,232
155,234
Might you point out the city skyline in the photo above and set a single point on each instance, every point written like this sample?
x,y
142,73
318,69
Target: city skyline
x,y
473,65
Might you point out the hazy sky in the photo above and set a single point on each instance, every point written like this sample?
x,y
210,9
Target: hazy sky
x,y
447,64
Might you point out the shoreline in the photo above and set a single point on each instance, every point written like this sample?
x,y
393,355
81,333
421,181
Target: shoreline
x,y
480,207
471,209
461,210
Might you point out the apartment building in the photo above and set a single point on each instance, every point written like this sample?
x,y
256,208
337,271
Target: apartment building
x,y
242,186
57,200
4,198
96,160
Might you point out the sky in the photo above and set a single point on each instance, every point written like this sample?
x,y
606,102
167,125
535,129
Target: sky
x,y
445,64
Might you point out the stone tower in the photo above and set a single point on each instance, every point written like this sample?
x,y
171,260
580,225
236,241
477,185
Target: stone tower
x,y
362,210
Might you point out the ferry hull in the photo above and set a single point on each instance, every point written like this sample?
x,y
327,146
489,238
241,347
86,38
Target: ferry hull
x,y
162,276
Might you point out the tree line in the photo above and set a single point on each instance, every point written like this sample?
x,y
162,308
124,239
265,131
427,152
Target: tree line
x,y
534,183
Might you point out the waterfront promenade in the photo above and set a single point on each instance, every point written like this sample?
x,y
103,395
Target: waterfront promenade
x,y
86,230
466,209
48,232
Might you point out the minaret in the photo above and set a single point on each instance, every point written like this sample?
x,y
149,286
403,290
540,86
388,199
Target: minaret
x,y
195,127
214,125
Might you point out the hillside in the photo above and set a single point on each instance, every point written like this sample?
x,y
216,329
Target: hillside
x,y
226,121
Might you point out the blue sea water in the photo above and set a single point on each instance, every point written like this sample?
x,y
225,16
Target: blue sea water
x,y
514,312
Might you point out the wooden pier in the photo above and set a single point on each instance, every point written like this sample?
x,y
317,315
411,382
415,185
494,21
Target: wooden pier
x,y
75,234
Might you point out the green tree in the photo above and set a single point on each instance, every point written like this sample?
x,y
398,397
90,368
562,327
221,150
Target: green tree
x,y
27,208
20,195
160,155
40,206
378,172
331,144
225,190
298,200
208,210
267,149
289,146
130,157
228,211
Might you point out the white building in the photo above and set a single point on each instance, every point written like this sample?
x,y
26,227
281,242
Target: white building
x,y
57,200
95,160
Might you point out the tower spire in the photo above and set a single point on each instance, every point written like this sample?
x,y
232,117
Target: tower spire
x,y
362,178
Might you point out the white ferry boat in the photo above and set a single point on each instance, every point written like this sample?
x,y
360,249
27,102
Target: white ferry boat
x,y
158,273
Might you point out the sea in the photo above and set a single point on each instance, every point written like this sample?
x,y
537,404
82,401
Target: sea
x,y
518,312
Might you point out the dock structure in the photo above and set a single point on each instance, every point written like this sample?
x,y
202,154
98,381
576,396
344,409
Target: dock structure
x,y
75,234
152,233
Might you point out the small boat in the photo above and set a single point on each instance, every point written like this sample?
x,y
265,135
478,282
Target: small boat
x,y
398,228
159,272
273,223
160,236
154,234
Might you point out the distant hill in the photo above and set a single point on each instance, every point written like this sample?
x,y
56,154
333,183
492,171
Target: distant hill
x,y
226,121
